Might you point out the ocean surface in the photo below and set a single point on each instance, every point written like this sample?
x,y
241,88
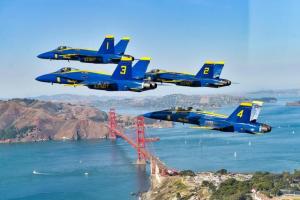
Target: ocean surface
x,y
102,169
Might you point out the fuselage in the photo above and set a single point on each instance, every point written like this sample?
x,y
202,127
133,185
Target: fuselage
x,y
208,120
183,79
95,80
82,55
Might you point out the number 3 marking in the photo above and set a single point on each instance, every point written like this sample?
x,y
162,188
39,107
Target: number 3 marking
x,y
206,70
240,114
123,69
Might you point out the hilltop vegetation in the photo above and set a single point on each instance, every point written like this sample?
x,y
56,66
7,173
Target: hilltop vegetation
x,y
223,185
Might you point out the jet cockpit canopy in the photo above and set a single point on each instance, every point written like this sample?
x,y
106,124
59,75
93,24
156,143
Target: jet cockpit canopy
x,y
60,48
65,69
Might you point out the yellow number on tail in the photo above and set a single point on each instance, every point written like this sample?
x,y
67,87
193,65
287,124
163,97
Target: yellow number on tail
x,y
240,114
107,45
206,70
123,69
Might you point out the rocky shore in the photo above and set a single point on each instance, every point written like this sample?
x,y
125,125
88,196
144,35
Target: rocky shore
x,y
27,120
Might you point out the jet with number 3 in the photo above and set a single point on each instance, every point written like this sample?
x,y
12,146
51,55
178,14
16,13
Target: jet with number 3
x,y
243,119
122,79
107,53
208,76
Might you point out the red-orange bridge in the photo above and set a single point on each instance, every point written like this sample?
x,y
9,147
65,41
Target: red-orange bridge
x,y
156,166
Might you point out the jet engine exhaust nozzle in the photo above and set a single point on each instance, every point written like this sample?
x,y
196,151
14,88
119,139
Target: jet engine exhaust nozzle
x,y
149,85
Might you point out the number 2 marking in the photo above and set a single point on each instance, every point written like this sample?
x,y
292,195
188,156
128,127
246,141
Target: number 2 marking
x,y
240,114
206,70
123,69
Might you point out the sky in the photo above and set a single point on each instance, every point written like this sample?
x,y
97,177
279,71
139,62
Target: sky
x,y
259,41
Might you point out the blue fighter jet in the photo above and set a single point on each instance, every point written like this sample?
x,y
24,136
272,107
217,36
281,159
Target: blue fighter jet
x,y
243,119
208,76
122,78
107,53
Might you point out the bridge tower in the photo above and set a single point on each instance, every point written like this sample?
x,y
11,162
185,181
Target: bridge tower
x,y
140,140
112,120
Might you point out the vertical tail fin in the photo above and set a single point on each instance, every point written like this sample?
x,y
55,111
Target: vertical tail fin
x,y
218,69
107,46
256,108
122,45
210,70
123,70
140,68
206,70
246,112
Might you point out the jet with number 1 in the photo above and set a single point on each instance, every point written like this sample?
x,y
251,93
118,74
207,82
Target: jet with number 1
x,y
243,119
208,76
107,53
122,79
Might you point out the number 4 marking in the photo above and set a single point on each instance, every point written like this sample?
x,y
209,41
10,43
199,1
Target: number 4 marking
x,y
240,114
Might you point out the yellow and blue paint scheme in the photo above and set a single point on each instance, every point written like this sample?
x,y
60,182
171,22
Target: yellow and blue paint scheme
x,y
208,76
243,119
107,53
122,78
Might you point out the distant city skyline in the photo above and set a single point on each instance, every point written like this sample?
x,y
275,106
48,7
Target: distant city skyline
x,y
258,40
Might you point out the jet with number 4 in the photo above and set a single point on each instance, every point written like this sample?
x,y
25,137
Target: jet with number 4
x,y
107,53
122,79
243,119
208,76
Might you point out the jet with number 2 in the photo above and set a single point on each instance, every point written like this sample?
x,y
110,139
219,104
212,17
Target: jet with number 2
x,y
122,79
107,53
208,76
243,119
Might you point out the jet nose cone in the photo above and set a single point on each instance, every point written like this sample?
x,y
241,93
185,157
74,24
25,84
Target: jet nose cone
x,y
42,78
39,78
41,56
228,82
148,115
47,55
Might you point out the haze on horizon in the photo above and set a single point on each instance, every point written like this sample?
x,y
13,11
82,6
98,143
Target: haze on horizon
x,y
258,40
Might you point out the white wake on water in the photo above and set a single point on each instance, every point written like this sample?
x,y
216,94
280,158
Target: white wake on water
x,y
39,173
